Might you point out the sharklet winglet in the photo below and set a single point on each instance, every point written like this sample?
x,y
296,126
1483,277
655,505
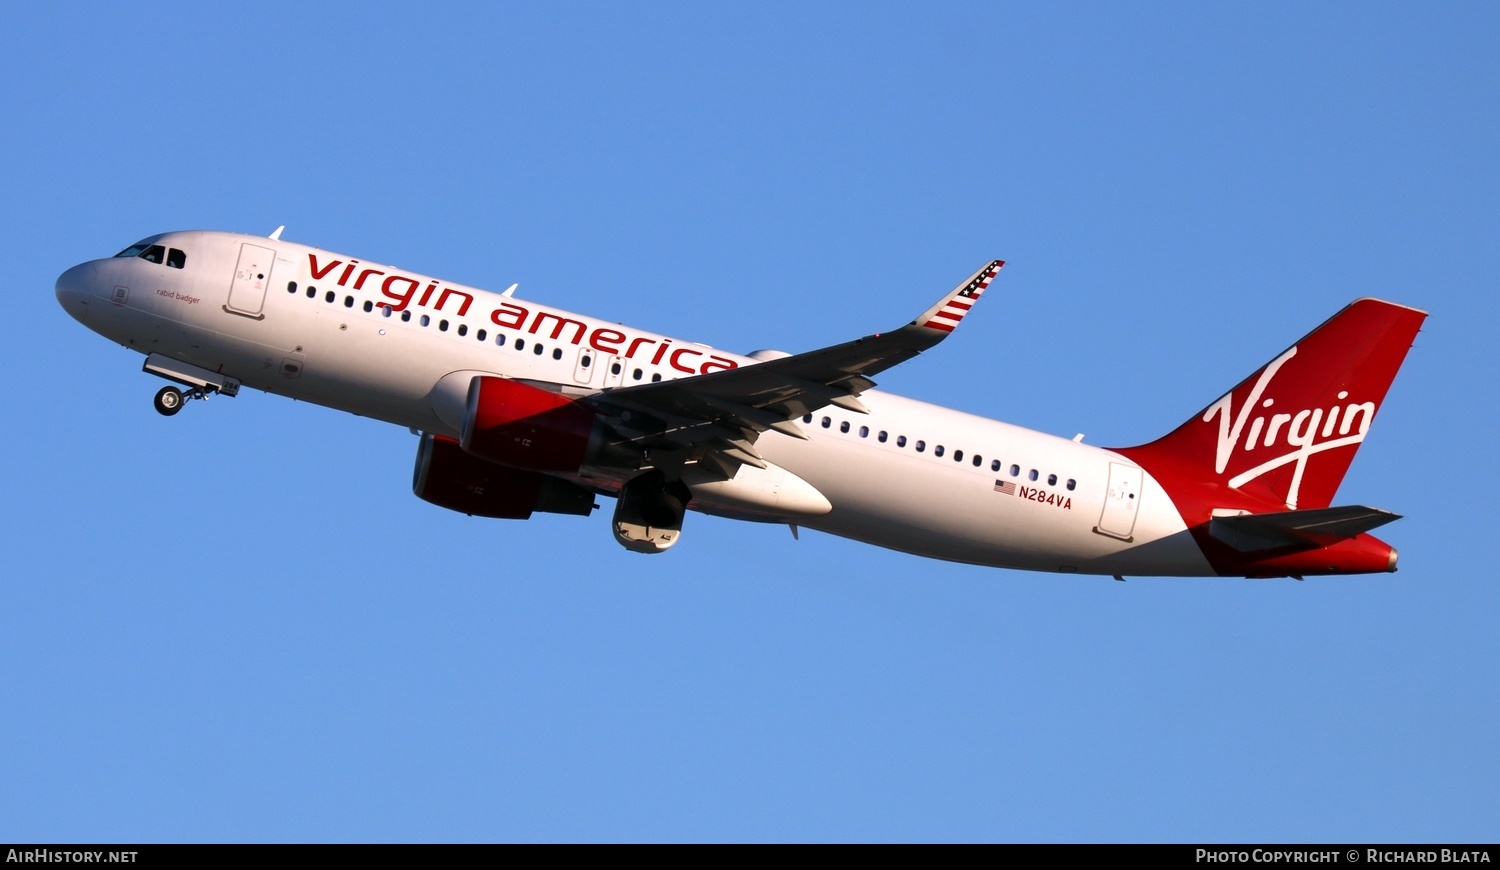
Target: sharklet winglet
x,y
950,311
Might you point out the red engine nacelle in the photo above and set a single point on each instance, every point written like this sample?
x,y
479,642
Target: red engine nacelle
x,y
524,427
448,477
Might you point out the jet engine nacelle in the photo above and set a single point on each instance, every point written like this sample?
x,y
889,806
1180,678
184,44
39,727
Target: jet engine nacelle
x,y
448,477
514,424
649,512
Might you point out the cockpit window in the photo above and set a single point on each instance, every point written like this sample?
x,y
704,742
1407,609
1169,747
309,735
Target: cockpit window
x,y
173,258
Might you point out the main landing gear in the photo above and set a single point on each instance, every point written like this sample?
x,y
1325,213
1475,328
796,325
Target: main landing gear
x,y
200,382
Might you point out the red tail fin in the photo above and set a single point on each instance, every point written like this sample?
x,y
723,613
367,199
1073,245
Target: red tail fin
x,y
1288,432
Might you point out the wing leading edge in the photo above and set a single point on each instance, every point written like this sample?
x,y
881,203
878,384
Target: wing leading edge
x,y
718,416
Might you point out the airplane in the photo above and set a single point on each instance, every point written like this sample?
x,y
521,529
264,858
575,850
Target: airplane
x,y
523,408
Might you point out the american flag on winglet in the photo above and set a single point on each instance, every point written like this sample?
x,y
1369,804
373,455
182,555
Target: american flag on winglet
x,y
1005,486
954,309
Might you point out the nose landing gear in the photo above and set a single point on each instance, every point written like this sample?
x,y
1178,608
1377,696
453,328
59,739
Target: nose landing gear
x,y
201,383
169,400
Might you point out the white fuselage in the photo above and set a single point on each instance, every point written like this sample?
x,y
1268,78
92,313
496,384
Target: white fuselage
x,y
401,347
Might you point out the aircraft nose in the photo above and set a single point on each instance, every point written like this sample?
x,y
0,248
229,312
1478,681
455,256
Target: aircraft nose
x,y
74,287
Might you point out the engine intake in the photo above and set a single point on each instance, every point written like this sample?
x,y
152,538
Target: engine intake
x,y
649,512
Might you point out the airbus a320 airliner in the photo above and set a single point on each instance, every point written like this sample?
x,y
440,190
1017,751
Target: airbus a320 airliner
x,y
522,407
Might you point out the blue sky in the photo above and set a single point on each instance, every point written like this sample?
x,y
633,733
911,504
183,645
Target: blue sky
x,y
238,624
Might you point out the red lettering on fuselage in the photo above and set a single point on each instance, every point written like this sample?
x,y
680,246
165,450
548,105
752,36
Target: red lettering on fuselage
x,y
544,316
599,337
677,359
401,298
509,315
359,283
635,343
463,307
401,289
317,273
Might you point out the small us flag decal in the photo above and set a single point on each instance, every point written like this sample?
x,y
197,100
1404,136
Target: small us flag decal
x,y
1005,486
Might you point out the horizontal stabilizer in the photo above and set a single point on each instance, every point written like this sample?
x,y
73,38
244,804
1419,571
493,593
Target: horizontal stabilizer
x,y
1317,527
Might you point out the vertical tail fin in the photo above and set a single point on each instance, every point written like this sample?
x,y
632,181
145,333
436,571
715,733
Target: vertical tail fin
x,y
1288,432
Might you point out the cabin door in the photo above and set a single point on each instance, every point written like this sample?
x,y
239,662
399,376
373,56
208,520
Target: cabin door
x,y
252,275
1121,503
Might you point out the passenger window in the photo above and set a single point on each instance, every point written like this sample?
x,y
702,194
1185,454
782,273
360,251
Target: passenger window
x,y
881,436
1072,483
406,316
176,259
385,311
1052,480
557,353
348,301
900,440
369,306
655,378
1015,471
463,329
426,320
154,254
329,296
921,445
537,349
586,361
844,426
291,287
978,460
479,335
311,292
615,369
827,422
521,345
636,374
995,466
807,418
1033,475
938,450
958,456
864,431
442,326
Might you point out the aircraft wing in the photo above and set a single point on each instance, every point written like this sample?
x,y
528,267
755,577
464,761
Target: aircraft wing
x,y
726,411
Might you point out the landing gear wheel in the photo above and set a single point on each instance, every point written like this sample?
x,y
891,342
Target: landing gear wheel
x,y
168,401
